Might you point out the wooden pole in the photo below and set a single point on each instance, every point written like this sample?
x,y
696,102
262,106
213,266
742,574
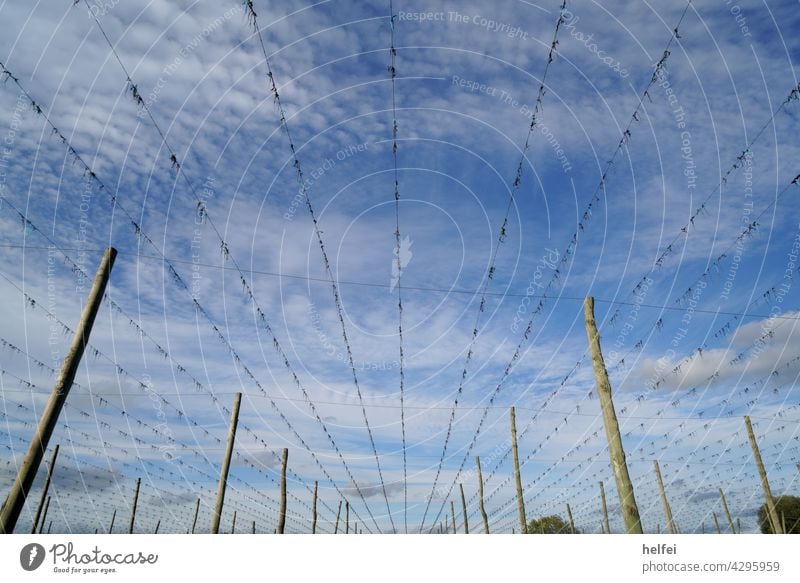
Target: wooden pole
x,y
47,422
664,501
45,489
480,497
571,522
233,524
113,518
254,527
282,515
464,508
771,510
196,512
346,517
135,502
226,464
727,512
716,522
49,527
453,512
158,525
44,517
338,513
523,527
627,499
314,511
446,524
605,508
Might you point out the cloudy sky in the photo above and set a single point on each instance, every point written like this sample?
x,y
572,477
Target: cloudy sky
x,y
657,178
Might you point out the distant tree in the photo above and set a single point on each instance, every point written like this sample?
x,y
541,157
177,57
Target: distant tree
x,y
788,508
549,525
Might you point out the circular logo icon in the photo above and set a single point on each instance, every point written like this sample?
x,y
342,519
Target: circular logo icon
x,y
31,556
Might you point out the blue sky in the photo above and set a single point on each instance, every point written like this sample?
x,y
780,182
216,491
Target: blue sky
x,y
468,77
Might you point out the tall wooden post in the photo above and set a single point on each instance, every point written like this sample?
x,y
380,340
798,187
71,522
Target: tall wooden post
x,y
480,497
716,523
113,518
45,489
44,517
523,527
135,502
338,513
571,521
727,512
282,515
664,501
453,512
346,517
314,511
464,508
196,512
47,422
226,464
605,508
771,510
627,499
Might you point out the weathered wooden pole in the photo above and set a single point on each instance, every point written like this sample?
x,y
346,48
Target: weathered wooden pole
x,y
664,501
346,517
233,525
523,527
113,518
464,508
338,513
49,527
158,525
226,464
770,501
44,516
47,422
571,522
45,489
605,508
727,512
627,499
282,515
135,502
314,511
254,527
453,512
196,512
716,522
480,497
